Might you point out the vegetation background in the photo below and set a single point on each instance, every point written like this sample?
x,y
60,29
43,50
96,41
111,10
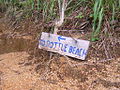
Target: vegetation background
x,y
94,20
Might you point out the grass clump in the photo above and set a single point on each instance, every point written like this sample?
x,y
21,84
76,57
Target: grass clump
x,y
48,10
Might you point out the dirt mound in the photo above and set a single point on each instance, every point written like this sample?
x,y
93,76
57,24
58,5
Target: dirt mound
x,y
14,75
82,76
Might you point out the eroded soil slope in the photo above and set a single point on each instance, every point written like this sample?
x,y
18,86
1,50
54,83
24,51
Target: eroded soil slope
x,y
14,75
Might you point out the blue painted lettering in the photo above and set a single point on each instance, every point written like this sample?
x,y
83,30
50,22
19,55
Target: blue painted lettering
x,y
80,52
74,49
55,44
48,43
51,44
77,52
42,42
70,49
84,52
65,47
61,46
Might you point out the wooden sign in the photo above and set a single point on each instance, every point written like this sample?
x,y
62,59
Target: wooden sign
x,y
64,45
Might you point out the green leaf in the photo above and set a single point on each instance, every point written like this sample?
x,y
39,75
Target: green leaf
x,y
79,16
94,39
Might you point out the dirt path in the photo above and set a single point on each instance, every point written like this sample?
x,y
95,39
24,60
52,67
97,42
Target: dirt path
x,y
16,76
13,75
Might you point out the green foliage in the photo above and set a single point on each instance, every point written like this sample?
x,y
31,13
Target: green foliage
x,y
75,5
102,7
80,15
49,9
98,17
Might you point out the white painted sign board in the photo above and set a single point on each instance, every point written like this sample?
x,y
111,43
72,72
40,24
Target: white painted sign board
x,y
64,45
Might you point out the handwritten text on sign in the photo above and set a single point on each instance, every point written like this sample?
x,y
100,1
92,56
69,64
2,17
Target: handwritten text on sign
x,y
64,45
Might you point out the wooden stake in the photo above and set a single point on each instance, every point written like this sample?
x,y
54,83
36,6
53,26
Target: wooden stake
x,y
61,20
